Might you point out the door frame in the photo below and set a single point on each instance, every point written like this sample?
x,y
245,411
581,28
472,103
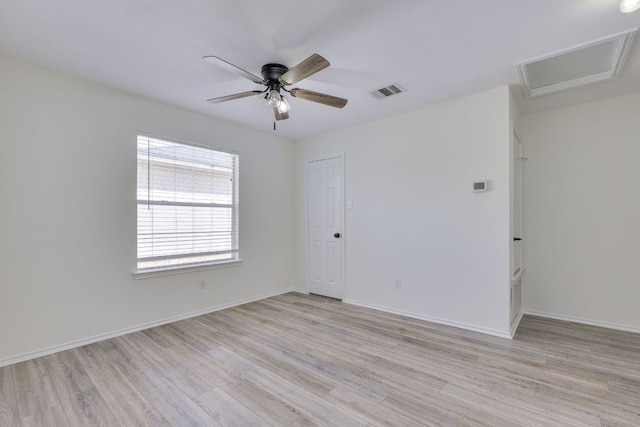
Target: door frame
x,y
342,217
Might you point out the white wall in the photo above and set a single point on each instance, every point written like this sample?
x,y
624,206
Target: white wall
x,y
414,215
582,212
68,212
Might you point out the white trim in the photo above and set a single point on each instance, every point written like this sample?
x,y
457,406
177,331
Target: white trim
x,y
337,156
515,277
468,327
301,291
185,142
608,325
515,324
146,274
79,343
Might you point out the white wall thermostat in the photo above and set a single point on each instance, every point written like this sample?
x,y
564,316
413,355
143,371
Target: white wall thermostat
x,y
479,186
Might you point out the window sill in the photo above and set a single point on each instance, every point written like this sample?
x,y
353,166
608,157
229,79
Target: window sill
x,y
158,272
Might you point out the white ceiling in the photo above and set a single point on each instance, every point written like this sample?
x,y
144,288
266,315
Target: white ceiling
x,y
437,49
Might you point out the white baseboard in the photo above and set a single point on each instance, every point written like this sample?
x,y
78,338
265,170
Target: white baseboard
x,y
584,321
108,335
300,291
468,327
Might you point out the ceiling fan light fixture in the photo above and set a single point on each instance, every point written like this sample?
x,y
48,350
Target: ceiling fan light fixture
x,y
273,98
628,6
283,106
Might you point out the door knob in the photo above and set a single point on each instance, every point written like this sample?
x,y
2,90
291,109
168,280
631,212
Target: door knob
x,y
337,235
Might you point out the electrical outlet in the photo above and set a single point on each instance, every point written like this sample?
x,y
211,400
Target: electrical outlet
x,y
397,284
203,284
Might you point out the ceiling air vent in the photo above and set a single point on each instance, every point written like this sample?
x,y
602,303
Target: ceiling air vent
x,y
591,62
388,91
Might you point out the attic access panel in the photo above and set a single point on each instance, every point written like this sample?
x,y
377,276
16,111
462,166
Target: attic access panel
x,y
591,62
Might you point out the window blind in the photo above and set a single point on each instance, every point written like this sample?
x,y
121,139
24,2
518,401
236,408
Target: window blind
x,y
187,204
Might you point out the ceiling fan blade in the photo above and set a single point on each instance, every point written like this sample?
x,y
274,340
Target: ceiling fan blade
x,y
309,66
234,96
322,98
279,115
233,69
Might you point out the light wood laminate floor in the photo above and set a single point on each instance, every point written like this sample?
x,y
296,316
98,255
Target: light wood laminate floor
x,y
297,360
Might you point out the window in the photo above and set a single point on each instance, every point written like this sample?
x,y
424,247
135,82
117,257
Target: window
x,y
187,205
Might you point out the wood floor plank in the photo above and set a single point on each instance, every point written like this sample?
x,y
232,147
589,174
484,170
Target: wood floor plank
x,y
544,373
180,374
134,342
337,361
387,371
369,410
308,403
624,386
138,369
305,421
312,381
35,392
127,403
160,336
227,411
176,407
331,330
615,421
265,404
187,331
258,400
8,401
335,367
50,417
436,409
81,401
498,404
305,360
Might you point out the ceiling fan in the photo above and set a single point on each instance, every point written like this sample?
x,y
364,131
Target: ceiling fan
x,y
276,77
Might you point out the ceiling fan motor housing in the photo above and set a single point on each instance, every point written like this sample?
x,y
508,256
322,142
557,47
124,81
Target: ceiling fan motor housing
x,y
272,72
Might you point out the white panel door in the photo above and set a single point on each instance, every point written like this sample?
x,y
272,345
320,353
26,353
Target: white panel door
x,y
517,197
325,243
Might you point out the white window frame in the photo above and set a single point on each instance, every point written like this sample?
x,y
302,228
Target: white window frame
x,y
172,261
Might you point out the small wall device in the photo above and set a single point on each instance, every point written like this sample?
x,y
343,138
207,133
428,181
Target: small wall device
x,y
479,186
